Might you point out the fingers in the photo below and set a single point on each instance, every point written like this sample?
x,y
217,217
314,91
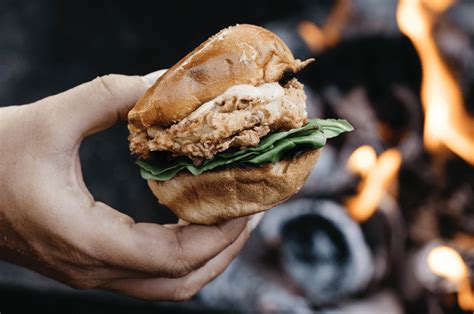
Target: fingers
x,y
98,104
180,289
158,250
200,243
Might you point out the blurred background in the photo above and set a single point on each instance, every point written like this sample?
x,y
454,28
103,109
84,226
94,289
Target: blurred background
x,y
385,223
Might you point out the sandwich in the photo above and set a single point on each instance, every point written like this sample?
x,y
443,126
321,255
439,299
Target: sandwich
x,y
224,133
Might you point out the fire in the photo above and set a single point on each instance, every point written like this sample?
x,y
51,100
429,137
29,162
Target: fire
x,y
466,296
319,38
447,263
378,175
362,160
312,35
447,123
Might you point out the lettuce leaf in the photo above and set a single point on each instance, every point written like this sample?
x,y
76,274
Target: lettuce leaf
x,y
271,148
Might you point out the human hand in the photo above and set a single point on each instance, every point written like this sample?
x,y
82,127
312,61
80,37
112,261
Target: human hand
x,y
49,222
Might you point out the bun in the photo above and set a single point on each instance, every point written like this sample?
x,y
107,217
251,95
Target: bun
x,y
242,54
216,196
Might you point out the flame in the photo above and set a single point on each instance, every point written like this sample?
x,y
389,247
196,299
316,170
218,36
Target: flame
x,y
439,5
447,263
378,177
447,123
362,160
312,35
466,296
319,38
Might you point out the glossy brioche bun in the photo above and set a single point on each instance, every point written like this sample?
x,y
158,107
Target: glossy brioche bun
x,y
216,196
242,54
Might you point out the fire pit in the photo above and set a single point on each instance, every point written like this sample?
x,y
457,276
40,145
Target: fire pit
x,y
389,207
385,222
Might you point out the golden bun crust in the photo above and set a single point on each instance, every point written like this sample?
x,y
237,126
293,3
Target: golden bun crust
x,y
216,196
242,54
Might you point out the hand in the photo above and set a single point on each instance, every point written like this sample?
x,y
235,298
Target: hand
x,y
49,222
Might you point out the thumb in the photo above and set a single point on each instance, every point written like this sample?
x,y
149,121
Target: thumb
x,y
98,104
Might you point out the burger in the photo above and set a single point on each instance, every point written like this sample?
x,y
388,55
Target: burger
x,y
224,133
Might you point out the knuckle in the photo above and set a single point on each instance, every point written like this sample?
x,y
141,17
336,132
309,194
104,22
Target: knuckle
x,y
108,78
179,264
185,294
82,285
82,281
107,83
179,268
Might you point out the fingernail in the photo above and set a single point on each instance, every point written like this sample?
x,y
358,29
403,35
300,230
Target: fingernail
x,y
255,220
151,78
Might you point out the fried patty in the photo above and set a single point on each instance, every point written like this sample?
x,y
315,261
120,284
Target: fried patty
x,y
239,117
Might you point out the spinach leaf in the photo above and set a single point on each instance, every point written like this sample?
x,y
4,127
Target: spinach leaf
x,y
271,148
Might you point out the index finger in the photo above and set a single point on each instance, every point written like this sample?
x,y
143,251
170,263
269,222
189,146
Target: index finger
x,y
179,289
157,250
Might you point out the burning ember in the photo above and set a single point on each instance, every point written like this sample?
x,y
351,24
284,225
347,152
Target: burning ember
x,y
378,174
447,124
319,38
447,263
306,254
362,160
381,200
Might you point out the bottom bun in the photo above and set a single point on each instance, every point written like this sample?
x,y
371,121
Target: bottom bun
x,y
216,196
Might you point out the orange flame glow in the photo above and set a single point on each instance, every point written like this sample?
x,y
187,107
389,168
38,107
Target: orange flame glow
x,y
312,35
447,124
362,160
319,38
466,296
378,175
447,263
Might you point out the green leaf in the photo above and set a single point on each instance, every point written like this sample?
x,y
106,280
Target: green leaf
x,y
271,148
333,127
314,140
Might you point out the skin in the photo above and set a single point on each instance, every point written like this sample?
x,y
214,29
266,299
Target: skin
x,y
50,223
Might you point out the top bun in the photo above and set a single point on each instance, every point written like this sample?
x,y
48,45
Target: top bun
x,y
242,54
